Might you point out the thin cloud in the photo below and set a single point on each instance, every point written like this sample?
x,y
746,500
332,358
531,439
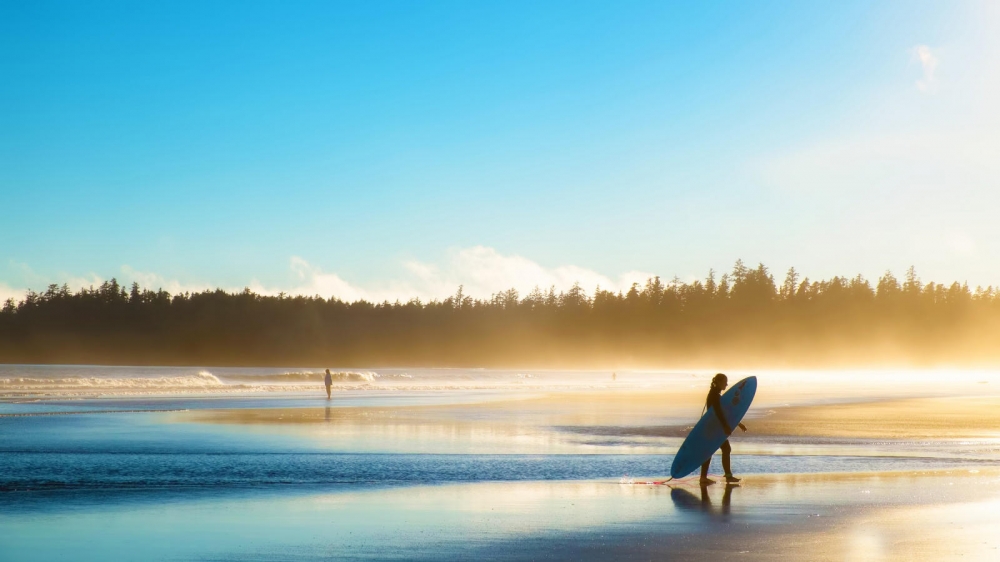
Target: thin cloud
x,y
480,270
903,178
962,243
314,281
154,282
8,292
929,62
483,271
32,280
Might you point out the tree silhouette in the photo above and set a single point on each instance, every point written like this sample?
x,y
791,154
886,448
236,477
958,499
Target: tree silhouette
x,y
740,319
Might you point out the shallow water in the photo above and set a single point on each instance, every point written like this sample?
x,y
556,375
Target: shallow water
x,y
437,464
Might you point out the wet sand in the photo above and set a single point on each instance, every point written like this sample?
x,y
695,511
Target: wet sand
x,y
534,424
936,515
962,417
885,517
581,407
660,414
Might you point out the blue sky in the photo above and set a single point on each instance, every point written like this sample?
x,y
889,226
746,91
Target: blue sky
x,y
379,150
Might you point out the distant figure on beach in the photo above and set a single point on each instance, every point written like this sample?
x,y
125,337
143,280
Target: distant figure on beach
x,y
614,376
714,401
328,381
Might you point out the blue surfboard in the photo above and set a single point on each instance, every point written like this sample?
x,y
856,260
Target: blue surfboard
x,y
707,435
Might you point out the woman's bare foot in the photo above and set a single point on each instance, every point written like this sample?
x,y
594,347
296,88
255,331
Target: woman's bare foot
x,y
706,481
730,479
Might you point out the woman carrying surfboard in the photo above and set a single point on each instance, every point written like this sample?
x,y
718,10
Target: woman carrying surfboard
x,y
713,429
714,402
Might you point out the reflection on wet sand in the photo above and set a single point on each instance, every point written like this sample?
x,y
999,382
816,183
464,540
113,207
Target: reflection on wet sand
x,y
892,516
402,430
526,426
652,423
684,500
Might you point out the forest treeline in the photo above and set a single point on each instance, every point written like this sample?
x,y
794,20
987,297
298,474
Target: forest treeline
x,y
743,318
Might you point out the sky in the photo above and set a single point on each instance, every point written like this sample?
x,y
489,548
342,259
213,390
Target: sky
x,y
391,150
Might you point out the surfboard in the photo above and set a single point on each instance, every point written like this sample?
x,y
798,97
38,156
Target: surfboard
x,y
707,435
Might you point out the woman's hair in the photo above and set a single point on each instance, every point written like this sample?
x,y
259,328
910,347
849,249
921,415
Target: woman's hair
x,y
718,380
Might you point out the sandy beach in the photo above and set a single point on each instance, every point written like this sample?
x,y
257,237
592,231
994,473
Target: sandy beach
x,y
964,417
483,468
937,515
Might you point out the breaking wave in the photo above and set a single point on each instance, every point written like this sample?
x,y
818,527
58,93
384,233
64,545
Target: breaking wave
x,y
203,379
85,381
201,382
310,376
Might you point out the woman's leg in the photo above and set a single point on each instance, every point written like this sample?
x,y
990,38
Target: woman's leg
x,y
704,468
726,449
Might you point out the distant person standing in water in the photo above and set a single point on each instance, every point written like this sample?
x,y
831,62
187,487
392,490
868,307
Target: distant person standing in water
x,y
714,401
328,381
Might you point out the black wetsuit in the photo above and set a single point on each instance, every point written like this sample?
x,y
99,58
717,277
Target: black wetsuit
x,y
714,401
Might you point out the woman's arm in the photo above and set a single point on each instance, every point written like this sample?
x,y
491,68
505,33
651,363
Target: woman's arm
x,y
716,405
